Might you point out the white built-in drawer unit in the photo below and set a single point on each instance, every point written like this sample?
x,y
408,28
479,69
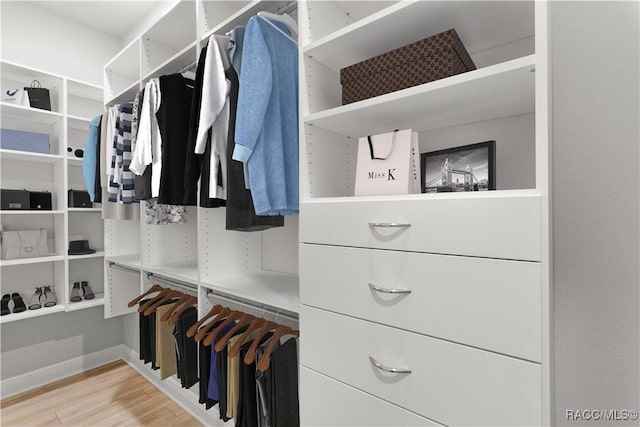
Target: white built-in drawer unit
x,y
486,303
327,402
492,225
450,383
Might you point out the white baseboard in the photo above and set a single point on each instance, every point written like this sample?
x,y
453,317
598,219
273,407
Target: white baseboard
x,y
58,371
172,388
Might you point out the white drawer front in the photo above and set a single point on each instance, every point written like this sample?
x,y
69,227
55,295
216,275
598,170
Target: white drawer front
x,y
327,402
449,383
486,303
493,227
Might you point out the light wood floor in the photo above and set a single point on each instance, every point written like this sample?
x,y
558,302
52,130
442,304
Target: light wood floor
x,y
111,395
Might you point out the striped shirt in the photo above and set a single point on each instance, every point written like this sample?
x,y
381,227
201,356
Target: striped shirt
x,y
120,177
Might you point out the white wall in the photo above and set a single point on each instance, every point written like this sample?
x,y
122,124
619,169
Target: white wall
x,y
596,159
41,39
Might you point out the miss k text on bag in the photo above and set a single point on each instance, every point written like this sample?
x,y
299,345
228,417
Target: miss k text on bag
x,y
24,244
388,164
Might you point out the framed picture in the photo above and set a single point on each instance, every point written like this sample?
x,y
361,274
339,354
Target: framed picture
x,y
467,168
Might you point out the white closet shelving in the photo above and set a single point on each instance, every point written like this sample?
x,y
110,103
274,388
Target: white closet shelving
x,y
475,266
73,104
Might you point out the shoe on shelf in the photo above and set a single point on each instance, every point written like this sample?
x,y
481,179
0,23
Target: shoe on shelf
x,y
18,303
35,304
50,297
75,293
4,305
87,291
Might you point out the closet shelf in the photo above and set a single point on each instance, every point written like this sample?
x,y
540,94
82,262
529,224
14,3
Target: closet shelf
x,y
29,114
126,95
31,212
74,161
28,314
29,157
501,90
84,209
98,254
408,22
36,260
183,272
131,261
81,305
279,290
177,62
77,122
241,17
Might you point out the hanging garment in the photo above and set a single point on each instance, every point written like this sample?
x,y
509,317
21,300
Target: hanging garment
x,y
141,183
97,187
240,213
157,214
205,374
165,347
120,178
267,118
144,336
285,404
213,391
247,415
148,150
186,348
236,40
222,383
89,159
214,114
264,386
173,121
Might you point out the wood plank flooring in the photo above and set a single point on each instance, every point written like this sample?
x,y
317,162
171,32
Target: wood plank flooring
x,y
111,395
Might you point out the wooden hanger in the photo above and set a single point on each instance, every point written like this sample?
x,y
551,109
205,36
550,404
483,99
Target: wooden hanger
x,y
214,311
202,332
171,294
176,315
251,353
152,289
281,330
255,323
235,315
150,302
183,299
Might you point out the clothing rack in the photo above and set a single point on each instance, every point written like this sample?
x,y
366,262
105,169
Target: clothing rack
x,y
278,313
123,267
173,283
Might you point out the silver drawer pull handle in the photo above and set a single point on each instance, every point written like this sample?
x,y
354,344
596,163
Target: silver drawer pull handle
x,y
389,291
389,224
388,369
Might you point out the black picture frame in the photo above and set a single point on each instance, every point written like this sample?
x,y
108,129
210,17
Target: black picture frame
x,y
479,157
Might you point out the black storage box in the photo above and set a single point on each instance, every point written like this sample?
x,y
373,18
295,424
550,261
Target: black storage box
x,y
15,200
79,199
40,200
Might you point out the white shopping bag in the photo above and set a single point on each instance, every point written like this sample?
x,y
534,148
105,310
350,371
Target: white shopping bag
x,y
388,164
16,97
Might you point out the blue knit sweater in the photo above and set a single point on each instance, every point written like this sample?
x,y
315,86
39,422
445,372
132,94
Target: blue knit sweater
x,y
267,118
90,157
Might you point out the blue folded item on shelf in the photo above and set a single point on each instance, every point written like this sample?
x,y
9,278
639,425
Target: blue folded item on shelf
x,y
35,142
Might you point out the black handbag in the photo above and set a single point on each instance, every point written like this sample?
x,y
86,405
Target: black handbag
x,y
40,200
79,199
38,96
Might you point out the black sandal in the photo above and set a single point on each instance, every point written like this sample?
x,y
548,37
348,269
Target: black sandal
x,y
4,305
18,303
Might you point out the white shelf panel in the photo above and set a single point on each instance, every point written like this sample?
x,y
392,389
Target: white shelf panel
x,y
29,156
98,254
81,305
77,122
176,63
184,272
126,95
85,210
131,261
501,90
28,314
241,17
84,90
74,161
37,260
31,212
279,290
408,22
29,114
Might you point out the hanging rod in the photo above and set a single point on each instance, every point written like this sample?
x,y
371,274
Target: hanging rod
x,y
265,308
189,67
291,6
115,265
174,283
